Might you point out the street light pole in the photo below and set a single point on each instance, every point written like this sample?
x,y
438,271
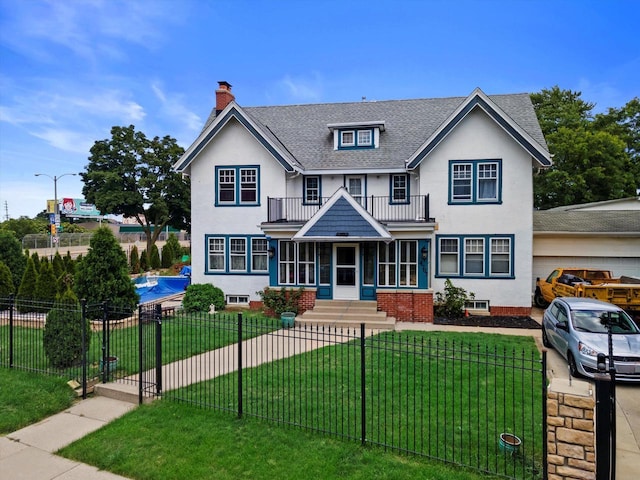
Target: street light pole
x,y
56,209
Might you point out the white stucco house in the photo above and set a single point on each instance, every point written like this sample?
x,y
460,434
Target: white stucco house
x,y
379,201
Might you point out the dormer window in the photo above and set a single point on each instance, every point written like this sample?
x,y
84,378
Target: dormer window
x,y
356,135
356,138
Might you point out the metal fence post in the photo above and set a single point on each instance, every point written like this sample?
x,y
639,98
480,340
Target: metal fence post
x,y
105,343
239,364
85,348
12,304
158,322
140,356
545,473
605,429
363,385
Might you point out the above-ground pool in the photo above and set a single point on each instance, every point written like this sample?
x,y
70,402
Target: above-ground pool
x,y
154,288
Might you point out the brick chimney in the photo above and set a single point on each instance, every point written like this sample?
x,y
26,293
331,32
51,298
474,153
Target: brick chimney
x,y
223,96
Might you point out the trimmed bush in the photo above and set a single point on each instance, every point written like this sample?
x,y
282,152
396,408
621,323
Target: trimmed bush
x,y
27,290
199,297
168,256
46,286
134,260
173,242
6,282
103,275
62,337
155,258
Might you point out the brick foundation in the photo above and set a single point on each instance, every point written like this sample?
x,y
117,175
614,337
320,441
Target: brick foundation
x,y
406,305
510,311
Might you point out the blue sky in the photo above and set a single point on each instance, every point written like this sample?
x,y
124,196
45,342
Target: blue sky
x,y
72,69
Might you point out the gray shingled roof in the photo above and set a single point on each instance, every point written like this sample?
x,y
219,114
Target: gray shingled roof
x,y
302,129
588,221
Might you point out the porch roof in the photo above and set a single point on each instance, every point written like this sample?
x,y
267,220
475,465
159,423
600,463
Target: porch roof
x,y
343,219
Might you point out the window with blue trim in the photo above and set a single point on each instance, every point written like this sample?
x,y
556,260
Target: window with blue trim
x,y
361,138
399,186
237,254
311,186
475,181
486,256
237,185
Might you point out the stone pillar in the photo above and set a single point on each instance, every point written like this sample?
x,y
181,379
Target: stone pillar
x,y
570,430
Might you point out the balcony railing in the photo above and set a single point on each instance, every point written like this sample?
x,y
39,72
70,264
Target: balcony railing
x,y
294,209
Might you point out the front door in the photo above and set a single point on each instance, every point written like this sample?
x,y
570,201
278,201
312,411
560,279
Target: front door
x,y
346,271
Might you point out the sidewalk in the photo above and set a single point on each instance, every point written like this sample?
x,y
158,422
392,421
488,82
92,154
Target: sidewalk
x,y
28,453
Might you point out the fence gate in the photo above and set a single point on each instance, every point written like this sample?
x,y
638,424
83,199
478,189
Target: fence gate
x,y
149,351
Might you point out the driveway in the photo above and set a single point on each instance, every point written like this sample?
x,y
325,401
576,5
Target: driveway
x,y
627,419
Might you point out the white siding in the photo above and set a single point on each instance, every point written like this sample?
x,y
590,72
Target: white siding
x,y
478,137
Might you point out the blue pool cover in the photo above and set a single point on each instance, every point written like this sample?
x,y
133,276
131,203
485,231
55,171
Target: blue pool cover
x,y
152,289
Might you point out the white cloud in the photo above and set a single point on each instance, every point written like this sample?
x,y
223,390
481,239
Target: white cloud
x,y
90,29
175,110
67,140
302,89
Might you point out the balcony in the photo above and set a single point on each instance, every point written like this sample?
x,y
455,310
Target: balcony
x,y
294,210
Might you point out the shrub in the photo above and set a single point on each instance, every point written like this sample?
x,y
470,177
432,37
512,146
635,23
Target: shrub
x,y
12,256
103,275
26,292
199,297
6,282
62,337
155,258
144,261
450,304
168,256
173,242
134,260
46,286
281,300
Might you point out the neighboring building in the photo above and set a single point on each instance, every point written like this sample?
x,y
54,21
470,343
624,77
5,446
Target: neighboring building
x,y
603,235
376,200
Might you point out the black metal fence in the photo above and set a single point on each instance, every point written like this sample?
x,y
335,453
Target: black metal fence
x,y
410,392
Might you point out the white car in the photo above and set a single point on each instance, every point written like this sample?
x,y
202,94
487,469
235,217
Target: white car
x,y
578,329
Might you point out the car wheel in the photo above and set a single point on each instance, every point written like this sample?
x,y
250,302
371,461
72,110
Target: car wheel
x,y
573,368
539,300
545,338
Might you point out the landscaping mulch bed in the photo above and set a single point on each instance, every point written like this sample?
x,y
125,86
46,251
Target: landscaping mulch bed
x,y
489,321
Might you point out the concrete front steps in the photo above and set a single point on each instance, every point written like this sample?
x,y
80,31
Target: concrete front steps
x,y
124,392
347,313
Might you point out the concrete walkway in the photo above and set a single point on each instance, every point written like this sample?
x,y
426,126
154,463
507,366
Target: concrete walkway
x,y
28,453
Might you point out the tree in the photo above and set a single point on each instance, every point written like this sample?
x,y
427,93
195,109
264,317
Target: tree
x,y
62,337
133,176
12,256
46,285
103,276
167,255
6,282
58,265
173,242
134,260
591,162
26,292
155,258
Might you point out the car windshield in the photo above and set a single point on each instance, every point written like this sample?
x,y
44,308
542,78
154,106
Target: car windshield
x,y
596,321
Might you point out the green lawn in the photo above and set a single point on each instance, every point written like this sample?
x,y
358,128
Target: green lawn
x,y
179,340
26,398
467,405
168,440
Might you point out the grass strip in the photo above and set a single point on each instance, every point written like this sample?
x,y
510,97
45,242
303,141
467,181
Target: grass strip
x,y
167,440
27,398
